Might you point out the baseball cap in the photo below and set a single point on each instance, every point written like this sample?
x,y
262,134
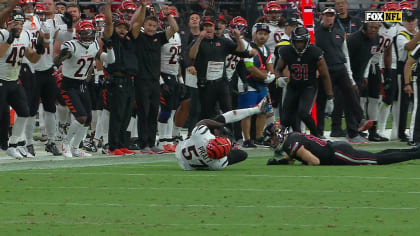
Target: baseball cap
x,y
328,10
409,16
291,22
262,26
207,20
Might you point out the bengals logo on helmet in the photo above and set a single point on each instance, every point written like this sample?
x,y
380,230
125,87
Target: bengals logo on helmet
x,y
218,148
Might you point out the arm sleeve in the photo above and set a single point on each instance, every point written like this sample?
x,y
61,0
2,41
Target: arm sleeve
x,y
346,55
4,35
108,57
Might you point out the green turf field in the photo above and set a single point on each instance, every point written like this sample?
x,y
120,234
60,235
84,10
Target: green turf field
x,y
151,195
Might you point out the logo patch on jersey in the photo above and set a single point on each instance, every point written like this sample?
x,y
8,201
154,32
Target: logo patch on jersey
x,y
155,40
337,36
373,49
217,44
379,16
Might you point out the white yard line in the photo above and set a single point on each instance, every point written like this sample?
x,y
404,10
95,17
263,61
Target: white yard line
x,y
217,174
30,188
326,207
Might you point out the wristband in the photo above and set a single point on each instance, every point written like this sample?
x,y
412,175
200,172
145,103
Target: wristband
x,y
47,40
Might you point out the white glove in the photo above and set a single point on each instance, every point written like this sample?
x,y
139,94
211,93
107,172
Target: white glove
x,y
161,81
97,74
270,78
180,80
282,82
329,106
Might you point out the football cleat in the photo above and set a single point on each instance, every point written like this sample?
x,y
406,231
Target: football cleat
x,y
65,149
76,152
52,148
365,125
13,152
116,152
22,151
127,152
30,151
89,145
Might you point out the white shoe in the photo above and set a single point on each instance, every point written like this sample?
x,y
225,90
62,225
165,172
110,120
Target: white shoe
x,y
79,153
13,152
22,151
65,149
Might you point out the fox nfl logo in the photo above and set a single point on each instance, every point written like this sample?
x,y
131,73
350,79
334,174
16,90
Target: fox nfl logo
x,y
381,16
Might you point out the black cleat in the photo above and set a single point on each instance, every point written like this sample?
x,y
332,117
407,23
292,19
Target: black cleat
x,y
30,149
248,144
272,162
51,148
338,133
377,138
89,145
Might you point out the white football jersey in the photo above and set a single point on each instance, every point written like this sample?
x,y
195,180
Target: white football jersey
x,y
192,152
169,57
274,38
233,60
33,27
12,60
78,65
398,28
46,61
386,36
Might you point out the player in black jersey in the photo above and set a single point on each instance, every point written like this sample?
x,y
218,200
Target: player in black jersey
x,y
302,60
311,150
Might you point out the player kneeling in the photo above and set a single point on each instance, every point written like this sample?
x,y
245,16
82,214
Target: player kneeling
x,y
206,149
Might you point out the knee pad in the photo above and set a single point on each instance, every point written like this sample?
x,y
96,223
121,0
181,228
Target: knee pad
x,y
164,116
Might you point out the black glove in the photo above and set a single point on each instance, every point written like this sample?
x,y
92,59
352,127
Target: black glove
x,y
39,47
387,78
68,20
107,42
14,33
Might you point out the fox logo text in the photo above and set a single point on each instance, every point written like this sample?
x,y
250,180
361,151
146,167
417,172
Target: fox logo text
x,y
380,16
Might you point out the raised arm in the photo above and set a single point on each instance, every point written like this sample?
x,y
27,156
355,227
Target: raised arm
x,y
4,14
194,49
109,29
137,20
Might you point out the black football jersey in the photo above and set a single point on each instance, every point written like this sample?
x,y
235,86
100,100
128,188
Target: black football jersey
x,y
302,68
320,148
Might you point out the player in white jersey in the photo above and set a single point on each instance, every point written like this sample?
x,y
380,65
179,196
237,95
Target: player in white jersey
x,y
381,59
77,57
272,13
169,81
14,45
206,149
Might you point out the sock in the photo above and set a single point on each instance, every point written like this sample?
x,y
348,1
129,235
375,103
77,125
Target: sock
x,y
176,131
98,128
18,129
170,126
395,120
73,129
50,125
62,114
373,108
384,110
105,125
394,157
41,119
78,137
29,130
162,128
276,113
363,101
94,120
240,114
134,131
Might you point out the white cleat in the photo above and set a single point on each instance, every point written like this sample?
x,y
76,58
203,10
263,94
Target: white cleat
x,y
79,153
13,152
65,149
22,151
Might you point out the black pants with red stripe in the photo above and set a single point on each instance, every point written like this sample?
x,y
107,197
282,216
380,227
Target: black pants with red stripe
x,y
345,154
76,96
298,104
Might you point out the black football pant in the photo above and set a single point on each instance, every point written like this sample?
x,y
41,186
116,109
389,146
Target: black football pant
x,y
404,103
195,109
4,126
76,96
298,104
121,104
147,92
342,84
345,154
13,94
217,91
46,89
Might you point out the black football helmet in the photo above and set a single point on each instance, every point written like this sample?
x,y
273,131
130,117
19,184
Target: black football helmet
x,y
300,34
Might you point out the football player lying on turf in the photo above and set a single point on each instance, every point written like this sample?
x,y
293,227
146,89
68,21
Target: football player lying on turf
x,y
311,150
206,149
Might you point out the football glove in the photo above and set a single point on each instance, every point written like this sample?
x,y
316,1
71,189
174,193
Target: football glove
x,y
13,33
270,78
68,20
